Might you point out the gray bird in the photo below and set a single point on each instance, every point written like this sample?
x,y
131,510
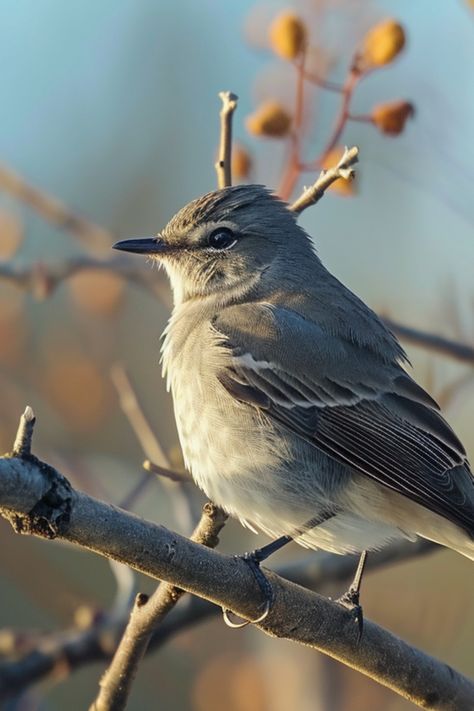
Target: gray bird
x,y
294,411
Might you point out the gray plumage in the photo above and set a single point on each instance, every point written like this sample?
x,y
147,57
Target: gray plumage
x,y
290,395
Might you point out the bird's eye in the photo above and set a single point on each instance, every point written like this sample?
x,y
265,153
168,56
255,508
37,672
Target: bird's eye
x,y
222,238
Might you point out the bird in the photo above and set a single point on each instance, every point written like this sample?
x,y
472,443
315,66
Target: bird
x,y
294,405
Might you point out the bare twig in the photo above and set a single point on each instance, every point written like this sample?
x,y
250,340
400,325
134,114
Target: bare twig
x,y
136,417
344,169
53,210
350,84
145,617
292,170
223,163
27,501
182,477
150,444
432,341
22,444
41,280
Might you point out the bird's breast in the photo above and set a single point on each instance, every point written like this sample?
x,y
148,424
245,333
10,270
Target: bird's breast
x,y
226,445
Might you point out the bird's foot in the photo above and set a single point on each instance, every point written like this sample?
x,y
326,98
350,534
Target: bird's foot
x,y
253,560
350,600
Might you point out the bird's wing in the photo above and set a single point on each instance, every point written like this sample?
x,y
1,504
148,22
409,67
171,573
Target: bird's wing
x,y
348,402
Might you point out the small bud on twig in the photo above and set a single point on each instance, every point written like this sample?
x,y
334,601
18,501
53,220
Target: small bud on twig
x,y
241,163
288,35
390,118
270,119
381,45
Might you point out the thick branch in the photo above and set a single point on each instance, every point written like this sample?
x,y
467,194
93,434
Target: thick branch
x,y
344,169
76,648
38,500
223,163
145,617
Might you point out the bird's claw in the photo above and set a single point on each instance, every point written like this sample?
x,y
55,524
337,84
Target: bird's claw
x,y
350,600
253,561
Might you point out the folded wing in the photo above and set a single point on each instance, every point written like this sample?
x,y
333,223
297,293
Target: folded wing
x,y
353,405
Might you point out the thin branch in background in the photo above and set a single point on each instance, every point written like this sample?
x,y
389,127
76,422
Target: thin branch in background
x,y
54,211
137,490
136,417
223,164
182,477
150,445
340,121
145,617
27,502
42,280
344,169
432,341
291,173
314,78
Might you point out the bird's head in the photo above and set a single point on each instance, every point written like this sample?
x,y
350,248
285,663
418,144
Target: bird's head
x,y
223,242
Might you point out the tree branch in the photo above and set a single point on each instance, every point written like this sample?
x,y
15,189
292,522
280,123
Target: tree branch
x,y
344,169
223,163
145,617
75,648
53,210
38,500
152,448
432,341
42,280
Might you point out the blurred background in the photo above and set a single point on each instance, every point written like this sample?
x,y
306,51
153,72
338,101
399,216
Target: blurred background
x,y
112,109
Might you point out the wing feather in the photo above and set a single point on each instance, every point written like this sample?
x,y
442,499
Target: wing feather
x,y
376,420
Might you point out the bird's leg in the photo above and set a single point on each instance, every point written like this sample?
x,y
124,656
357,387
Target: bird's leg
x,y
254,558
351,597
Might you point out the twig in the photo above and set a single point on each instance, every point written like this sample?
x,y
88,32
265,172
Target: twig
x,y
223,164
27,501
350,84
129,500
314,78
182,477
432,341
291,174
24,435
53,210
136,417
150,444
145,617
327,177
41,280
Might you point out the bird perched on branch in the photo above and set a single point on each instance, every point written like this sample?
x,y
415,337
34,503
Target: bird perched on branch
x,y
294,410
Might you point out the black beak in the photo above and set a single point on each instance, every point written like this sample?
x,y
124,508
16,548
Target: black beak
x,y
144,245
